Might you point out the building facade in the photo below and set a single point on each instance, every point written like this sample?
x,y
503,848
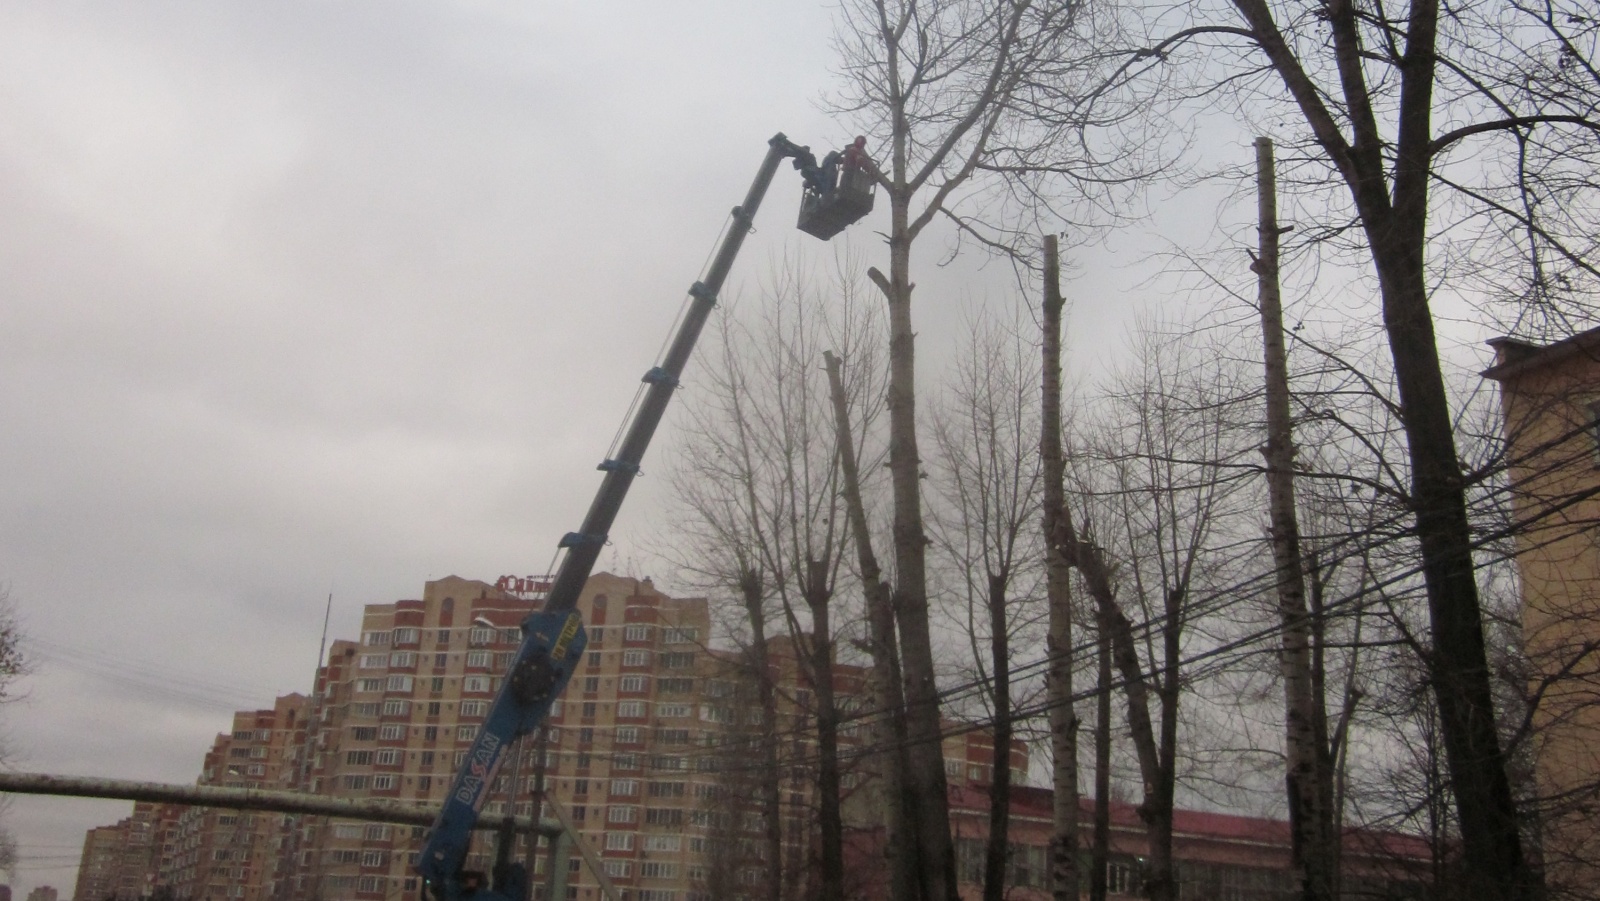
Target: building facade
x,y
1550,401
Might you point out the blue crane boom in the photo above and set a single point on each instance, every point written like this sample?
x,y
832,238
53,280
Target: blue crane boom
x,y
553,639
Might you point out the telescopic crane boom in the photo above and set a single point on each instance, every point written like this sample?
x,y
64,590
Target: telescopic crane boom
x,y
553,639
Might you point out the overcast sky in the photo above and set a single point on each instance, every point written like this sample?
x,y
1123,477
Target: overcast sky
x,y
300,298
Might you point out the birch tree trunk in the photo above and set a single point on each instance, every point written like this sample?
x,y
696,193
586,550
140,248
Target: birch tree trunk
x,y
1306,772
1064,877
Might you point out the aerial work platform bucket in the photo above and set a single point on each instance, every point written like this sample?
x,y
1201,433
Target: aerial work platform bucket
x,y
825,215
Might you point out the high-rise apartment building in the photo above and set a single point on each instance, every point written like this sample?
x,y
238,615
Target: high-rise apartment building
x,y
651,753
215,853
102,855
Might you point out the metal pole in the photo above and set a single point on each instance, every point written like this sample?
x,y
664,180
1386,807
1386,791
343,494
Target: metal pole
x,y
375,810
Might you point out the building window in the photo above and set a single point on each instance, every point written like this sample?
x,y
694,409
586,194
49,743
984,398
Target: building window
x,y
619,841
654,869
636,632
618,869
400,683
627,735
444,637
396,707
480,635
674,710
622,813
1121,879
358,758
664,816
635,657
375,639
377,832
626,787
597,636
403,658
663,842
369,685
591,684
474,708
406,636
388,757
630,709
478,658
677,686
391,731
680,635
383,782
633,683
475,683
466,733
372,661
677,660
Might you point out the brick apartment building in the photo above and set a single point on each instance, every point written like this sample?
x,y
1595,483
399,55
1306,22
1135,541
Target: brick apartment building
x,y
123,861
213,853
639,751
1550,399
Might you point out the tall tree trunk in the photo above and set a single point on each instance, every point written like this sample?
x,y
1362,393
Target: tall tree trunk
x,y
995,862
1064,878
1102,770
1306,771
926,775
830,826
752,590
904,883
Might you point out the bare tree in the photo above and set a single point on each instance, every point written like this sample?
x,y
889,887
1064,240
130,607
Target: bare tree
x,y
986,473
935,81
1160,486
767,523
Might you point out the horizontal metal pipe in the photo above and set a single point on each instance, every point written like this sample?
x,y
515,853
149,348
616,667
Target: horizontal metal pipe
x,y
376,810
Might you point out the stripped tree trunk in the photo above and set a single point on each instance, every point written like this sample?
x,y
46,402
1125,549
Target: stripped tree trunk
x,y
1064,878
1306,773
885,653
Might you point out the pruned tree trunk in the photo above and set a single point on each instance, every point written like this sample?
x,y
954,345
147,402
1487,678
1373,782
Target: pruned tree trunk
x,y
904,884
1306,781
925,776
1064,878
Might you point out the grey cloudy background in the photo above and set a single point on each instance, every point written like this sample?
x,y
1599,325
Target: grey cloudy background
x,y
312,297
